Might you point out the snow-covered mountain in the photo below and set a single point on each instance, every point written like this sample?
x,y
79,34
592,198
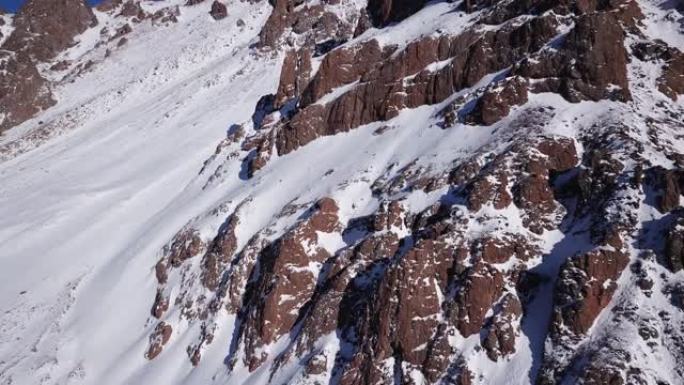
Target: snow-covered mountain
x,y
342,192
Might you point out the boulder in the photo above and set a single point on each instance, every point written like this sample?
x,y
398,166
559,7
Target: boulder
x,y
218,10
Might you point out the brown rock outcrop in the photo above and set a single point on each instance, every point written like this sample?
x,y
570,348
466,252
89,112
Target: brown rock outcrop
x,y
674,246
496,102
521,175
348,296
560,153
161,271
294,76
219,252
669,185
411,292
206,287
671,82
161,305
286,280
410,332
159,337
534,193
400,319
489,188
482,287
42,29
591,63
500,337
23,91
341,299
218,10
186,244
501,249
585,287
342,66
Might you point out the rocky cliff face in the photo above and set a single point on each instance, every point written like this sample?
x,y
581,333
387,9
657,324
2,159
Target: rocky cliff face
x,y
41,30
516,217
411,288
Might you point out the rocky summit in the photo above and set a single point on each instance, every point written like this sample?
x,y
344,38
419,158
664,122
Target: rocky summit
x,y
342,192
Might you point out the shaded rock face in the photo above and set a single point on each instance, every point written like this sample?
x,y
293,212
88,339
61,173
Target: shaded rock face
x,y
294,76
218,10
399,287
671,83
384,12
42,29
382,91
526,183
674,246
591,64
586,285
364,83
670,184
404,288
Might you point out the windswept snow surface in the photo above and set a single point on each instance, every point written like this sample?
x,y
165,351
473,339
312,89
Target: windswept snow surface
x,y
83,216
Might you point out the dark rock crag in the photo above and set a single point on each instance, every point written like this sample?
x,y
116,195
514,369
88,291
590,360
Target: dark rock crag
x,y
400,289
42,29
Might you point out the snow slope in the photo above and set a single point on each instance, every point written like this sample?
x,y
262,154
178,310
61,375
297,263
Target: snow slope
x,y
84,215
